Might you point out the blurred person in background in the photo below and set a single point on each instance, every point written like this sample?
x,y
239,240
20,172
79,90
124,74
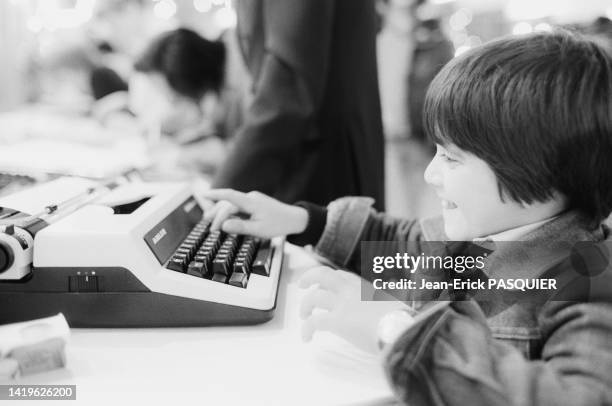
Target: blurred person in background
x,y
396,43
423,50
62,72
432,50
122,29
71,74
179,86
119,30
411,51
313,129
86,68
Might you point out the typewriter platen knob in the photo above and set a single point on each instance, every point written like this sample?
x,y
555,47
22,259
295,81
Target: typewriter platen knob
x,y
6,257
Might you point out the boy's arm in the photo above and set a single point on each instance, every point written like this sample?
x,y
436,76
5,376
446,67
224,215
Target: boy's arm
x,y
351,220
453,360
336,231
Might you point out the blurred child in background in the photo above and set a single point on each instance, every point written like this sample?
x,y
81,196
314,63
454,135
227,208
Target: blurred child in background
x,y
179,86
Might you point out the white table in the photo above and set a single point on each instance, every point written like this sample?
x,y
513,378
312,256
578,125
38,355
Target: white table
x,y
266,364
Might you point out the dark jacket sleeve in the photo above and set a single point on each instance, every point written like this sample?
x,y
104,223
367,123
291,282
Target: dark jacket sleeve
x,y
454,360
352,220
287,94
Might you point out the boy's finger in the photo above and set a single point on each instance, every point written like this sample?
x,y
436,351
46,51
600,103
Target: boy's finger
x,y
223,213
319,321
242,200
206,204
211,212
316,299
239,226
323,276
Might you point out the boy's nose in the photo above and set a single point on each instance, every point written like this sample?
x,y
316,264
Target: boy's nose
x,y
432,174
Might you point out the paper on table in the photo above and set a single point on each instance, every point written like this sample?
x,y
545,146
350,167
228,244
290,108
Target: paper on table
x,y
71,158
35,199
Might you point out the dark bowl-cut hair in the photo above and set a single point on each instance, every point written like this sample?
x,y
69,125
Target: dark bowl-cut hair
x,y
191,64
537,109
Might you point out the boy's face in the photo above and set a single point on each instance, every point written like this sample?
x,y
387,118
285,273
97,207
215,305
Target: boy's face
x,y
471,203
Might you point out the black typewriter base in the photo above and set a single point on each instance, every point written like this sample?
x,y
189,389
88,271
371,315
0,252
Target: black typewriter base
x,y
125,309
121,301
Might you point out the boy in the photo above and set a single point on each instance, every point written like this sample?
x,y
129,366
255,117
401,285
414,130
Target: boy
x,y
523,128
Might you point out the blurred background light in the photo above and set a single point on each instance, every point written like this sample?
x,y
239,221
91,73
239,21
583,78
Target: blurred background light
x,y
522,28
462,49
164,9
543,27
529,9
460,19
51,15
226,18
203,6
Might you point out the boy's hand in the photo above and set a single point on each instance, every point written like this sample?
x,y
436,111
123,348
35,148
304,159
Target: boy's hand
x,y
345,314
267,217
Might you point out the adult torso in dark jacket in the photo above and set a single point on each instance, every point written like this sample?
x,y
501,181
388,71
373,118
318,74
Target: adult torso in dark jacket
x,y
313,128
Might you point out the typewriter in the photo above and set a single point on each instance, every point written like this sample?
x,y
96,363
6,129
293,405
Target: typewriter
x,y
130,254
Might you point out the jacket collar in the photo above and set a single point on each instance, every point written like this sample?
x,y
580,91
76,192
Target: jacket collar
x,y
539,250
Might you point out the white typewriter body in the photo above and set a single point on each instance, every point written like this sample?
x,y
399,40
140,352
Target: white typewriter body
x,y
94,238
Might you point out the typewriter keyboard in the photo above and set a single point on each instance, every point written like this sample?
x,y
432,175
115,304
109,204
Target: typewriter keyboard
x,y
220,257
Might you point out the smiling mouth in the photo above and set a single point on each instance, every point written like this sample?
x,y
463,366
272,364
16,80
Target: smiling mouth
x,y
448,205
